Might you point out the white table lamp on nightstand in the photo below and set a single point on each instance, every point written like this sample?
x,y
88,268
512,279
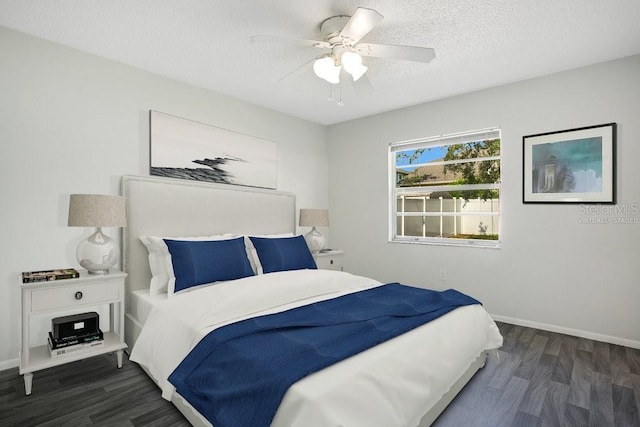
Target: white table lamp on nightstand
x,y
98,253
314,218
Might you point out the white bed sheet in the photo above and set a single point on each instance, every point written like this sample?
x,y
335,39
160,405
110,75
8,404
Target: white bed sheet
x,y
392,384
141,302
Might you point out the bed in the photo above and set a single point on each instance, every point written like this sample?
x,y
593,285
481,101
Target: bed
x,y
405,381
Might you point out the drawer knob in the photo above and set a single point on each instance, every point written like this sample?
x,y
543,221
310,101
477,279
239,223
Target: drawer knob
x,y
331,262
78,295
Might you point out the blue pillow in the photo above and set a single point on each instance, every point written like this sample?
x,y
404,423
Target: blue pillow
x,y
198,262
283,254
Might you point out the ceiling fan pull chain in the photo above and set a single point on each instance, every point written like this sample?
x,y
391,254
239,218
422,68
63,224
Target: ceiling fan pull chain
x,y
340,103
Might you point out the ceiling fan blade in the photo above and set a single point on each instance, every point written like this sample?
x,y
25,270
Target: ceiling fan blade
x,y
290,73
408,53
290,41
362,21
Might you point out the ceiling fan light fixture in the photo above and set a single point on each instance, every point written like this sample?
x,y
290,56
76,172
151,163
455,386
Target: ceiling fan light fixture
x,y
342,35
326,68
352,63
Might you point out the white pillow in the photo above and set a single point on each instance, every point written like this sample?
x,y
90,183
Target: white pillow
x,y
253,254
160,259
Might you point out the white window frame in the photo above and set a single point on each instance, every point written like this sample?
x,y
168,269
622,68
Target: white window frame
x,y
395,192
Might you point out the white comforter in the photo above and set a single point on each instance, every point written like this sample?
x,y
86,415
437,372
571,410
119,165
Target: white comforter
x,y
392,384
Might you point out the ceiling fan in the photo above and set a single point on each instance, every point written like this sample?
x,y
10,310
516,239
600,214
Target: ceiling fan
x,y
341,35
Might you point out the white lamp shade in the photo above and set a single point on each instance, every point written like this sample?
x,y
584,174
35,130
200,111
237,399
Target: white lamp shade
x,y
352,63
326,69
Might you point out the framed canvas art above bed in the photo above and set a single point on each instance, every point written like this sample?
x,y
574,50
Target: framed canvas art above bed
x,y
186,149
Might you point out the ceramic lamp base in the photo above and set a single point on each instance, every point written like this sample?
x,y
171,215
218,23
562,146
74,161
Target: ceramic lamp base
x,y
314,240
98,253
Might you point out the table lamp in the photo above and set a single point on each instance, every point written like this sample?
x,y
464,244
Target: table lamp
x,y
98,253
314,218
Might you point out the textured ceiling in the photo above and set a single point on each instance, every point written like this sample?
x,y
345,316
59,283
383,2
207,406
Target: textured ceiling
x,y
207,43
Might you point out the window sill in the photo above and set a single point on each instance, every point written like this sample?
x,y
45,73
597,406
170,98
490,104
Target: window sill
x,y
464,243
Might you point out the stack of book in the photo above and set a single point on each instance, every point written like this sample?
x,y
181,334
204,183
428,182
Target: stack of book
x,y
62,346
49,275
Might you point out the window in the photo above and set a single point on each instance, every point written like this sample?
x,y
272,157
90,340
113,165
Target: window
x,y
446,189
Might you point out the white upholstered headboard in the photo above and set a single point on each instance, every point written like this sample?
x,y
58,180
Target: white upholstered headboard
x,y
171,207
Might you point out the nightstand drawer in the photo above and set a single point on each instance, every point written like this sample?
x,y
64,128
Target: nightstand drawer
x,y
332,260
64,297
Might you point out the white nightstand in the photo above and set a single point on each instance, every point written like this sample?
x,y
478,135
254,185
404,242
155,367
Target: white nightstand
x,y
330,260
54,298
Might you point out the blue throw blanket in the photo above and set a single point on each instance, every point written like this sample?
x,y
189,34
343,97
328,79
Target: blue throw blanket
x,y
238,374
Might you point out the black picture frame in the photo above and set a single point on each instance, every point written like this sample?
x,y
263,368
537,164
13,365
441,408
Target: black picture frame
x,y
570,166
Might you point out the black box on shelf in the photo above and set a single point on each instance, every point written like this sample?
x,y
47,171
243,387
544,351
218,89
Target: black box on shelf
x,y
76,325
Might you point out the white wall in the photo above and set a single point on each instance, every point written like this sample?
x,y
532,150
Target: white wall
x,y
552,271
71,122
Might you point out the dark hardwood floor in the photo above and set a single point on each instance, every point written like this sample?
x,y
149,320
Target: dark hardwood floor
x,y
91,392
541,379
548,379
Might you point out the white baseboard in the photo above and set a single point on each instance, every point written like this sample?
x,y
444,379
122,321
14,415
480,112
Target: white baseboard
x,y
8,364
568,331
